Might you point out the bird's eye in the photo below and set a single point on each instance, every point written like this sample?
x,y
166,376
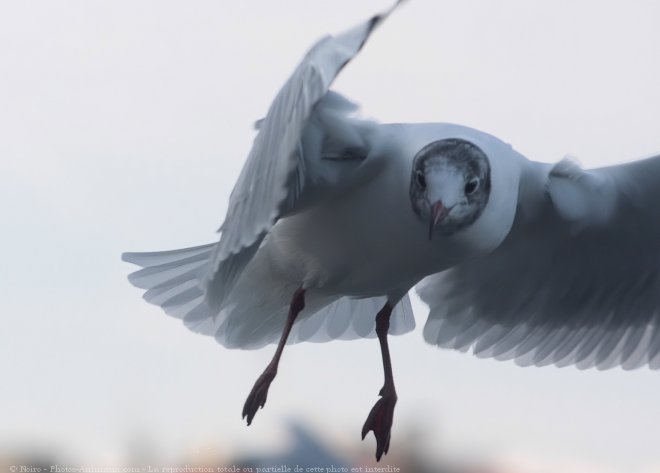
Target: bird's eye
x,y
421,179
471,186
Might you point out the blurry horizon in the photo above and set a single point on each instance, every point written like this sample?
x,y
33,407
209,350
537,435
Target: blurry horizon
x,y
124,126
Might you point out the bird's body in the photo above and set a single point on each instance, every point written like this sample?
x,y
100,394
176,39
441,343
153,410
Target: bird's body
x,y
335,218
337,246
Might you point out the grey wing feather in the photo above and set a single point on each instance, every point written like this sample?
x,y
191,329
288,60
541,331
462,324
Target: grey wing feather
x,y
271,180
576,282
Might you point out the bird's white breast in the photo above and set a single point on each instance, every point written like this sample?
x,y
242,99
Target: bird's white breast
x,y
369,242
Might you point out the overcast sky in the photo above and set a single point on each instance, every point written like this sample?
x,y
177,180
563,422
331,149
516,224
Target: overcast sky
x,y
123,125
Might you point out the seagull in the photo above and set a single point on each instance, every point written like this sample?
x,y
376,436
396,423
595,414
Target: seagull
x,y
335,218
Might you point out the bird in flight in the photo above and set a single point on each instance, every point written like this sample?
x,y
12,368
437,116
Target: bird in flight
x,y
334,219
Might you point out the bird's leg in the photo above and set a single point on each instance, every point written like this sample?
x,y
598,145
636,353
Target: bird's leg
x,y
380,417
257,397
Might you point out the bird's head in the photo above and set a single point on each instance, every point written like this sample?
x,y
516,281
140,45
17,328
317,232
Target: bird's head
x,y
449,185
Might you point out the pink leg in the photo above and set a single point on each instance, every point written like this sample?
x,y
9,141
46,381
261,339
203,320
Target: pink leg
x,y
381,415
257,397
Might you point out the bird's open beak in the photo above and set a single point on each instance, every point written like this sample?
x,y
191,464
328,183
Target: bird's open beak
x,y
438,212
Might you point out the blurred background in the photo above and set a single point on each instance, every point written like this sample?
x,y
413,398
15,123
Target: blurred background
x,y
123,126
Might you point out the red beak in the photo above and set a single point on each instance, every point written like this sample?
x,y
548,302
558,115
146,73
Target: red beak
x,y
438,212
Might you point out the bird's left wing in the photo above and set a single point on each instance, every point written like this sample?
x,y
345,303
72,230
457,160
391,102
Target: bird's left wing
x,y
274,175
577,281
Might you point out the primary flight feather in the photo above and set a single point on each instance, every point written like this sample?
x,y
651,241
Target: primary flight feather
x,y
334,219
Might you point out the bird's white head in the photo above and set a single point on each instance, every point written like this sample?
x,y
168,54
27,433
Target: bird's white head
x,y
450,185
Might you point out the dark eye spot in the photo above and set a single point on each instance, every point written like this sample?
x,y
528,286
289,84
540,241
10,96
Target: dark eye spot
x,y
420,178
471,186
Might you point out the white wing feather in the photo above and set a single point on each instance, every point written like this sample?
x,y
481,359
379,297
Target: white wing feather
x,y
293,163
577,281
270,180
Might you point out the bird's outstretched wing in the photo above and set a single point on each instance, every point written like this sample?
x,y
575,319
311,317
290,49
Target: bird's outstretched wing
x,y
577,281
274,176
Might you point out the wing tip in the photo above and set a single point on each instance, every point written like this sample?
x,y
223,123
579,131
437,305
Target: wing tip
x,y
128,256
379,18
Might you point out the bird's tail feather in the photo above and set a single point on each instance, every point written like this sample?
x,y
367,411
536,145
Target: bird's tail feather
x,y
171,279
254,313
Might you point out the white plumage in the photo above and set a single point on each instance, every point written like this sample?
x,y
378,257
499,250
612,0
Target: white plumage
x,y
544,264
579,211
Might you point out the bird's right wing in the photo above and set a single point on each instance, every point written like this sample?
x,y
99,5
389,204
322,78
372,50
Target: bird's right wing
x,y
577,281
276,175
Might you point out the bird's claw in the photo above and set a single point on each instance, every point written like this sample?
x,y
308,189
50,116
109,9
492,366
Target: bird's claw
x,y
257,397
380,422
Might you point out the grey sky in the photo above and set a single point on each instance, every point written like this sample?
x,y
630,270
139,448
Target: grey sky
x,y
123,126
